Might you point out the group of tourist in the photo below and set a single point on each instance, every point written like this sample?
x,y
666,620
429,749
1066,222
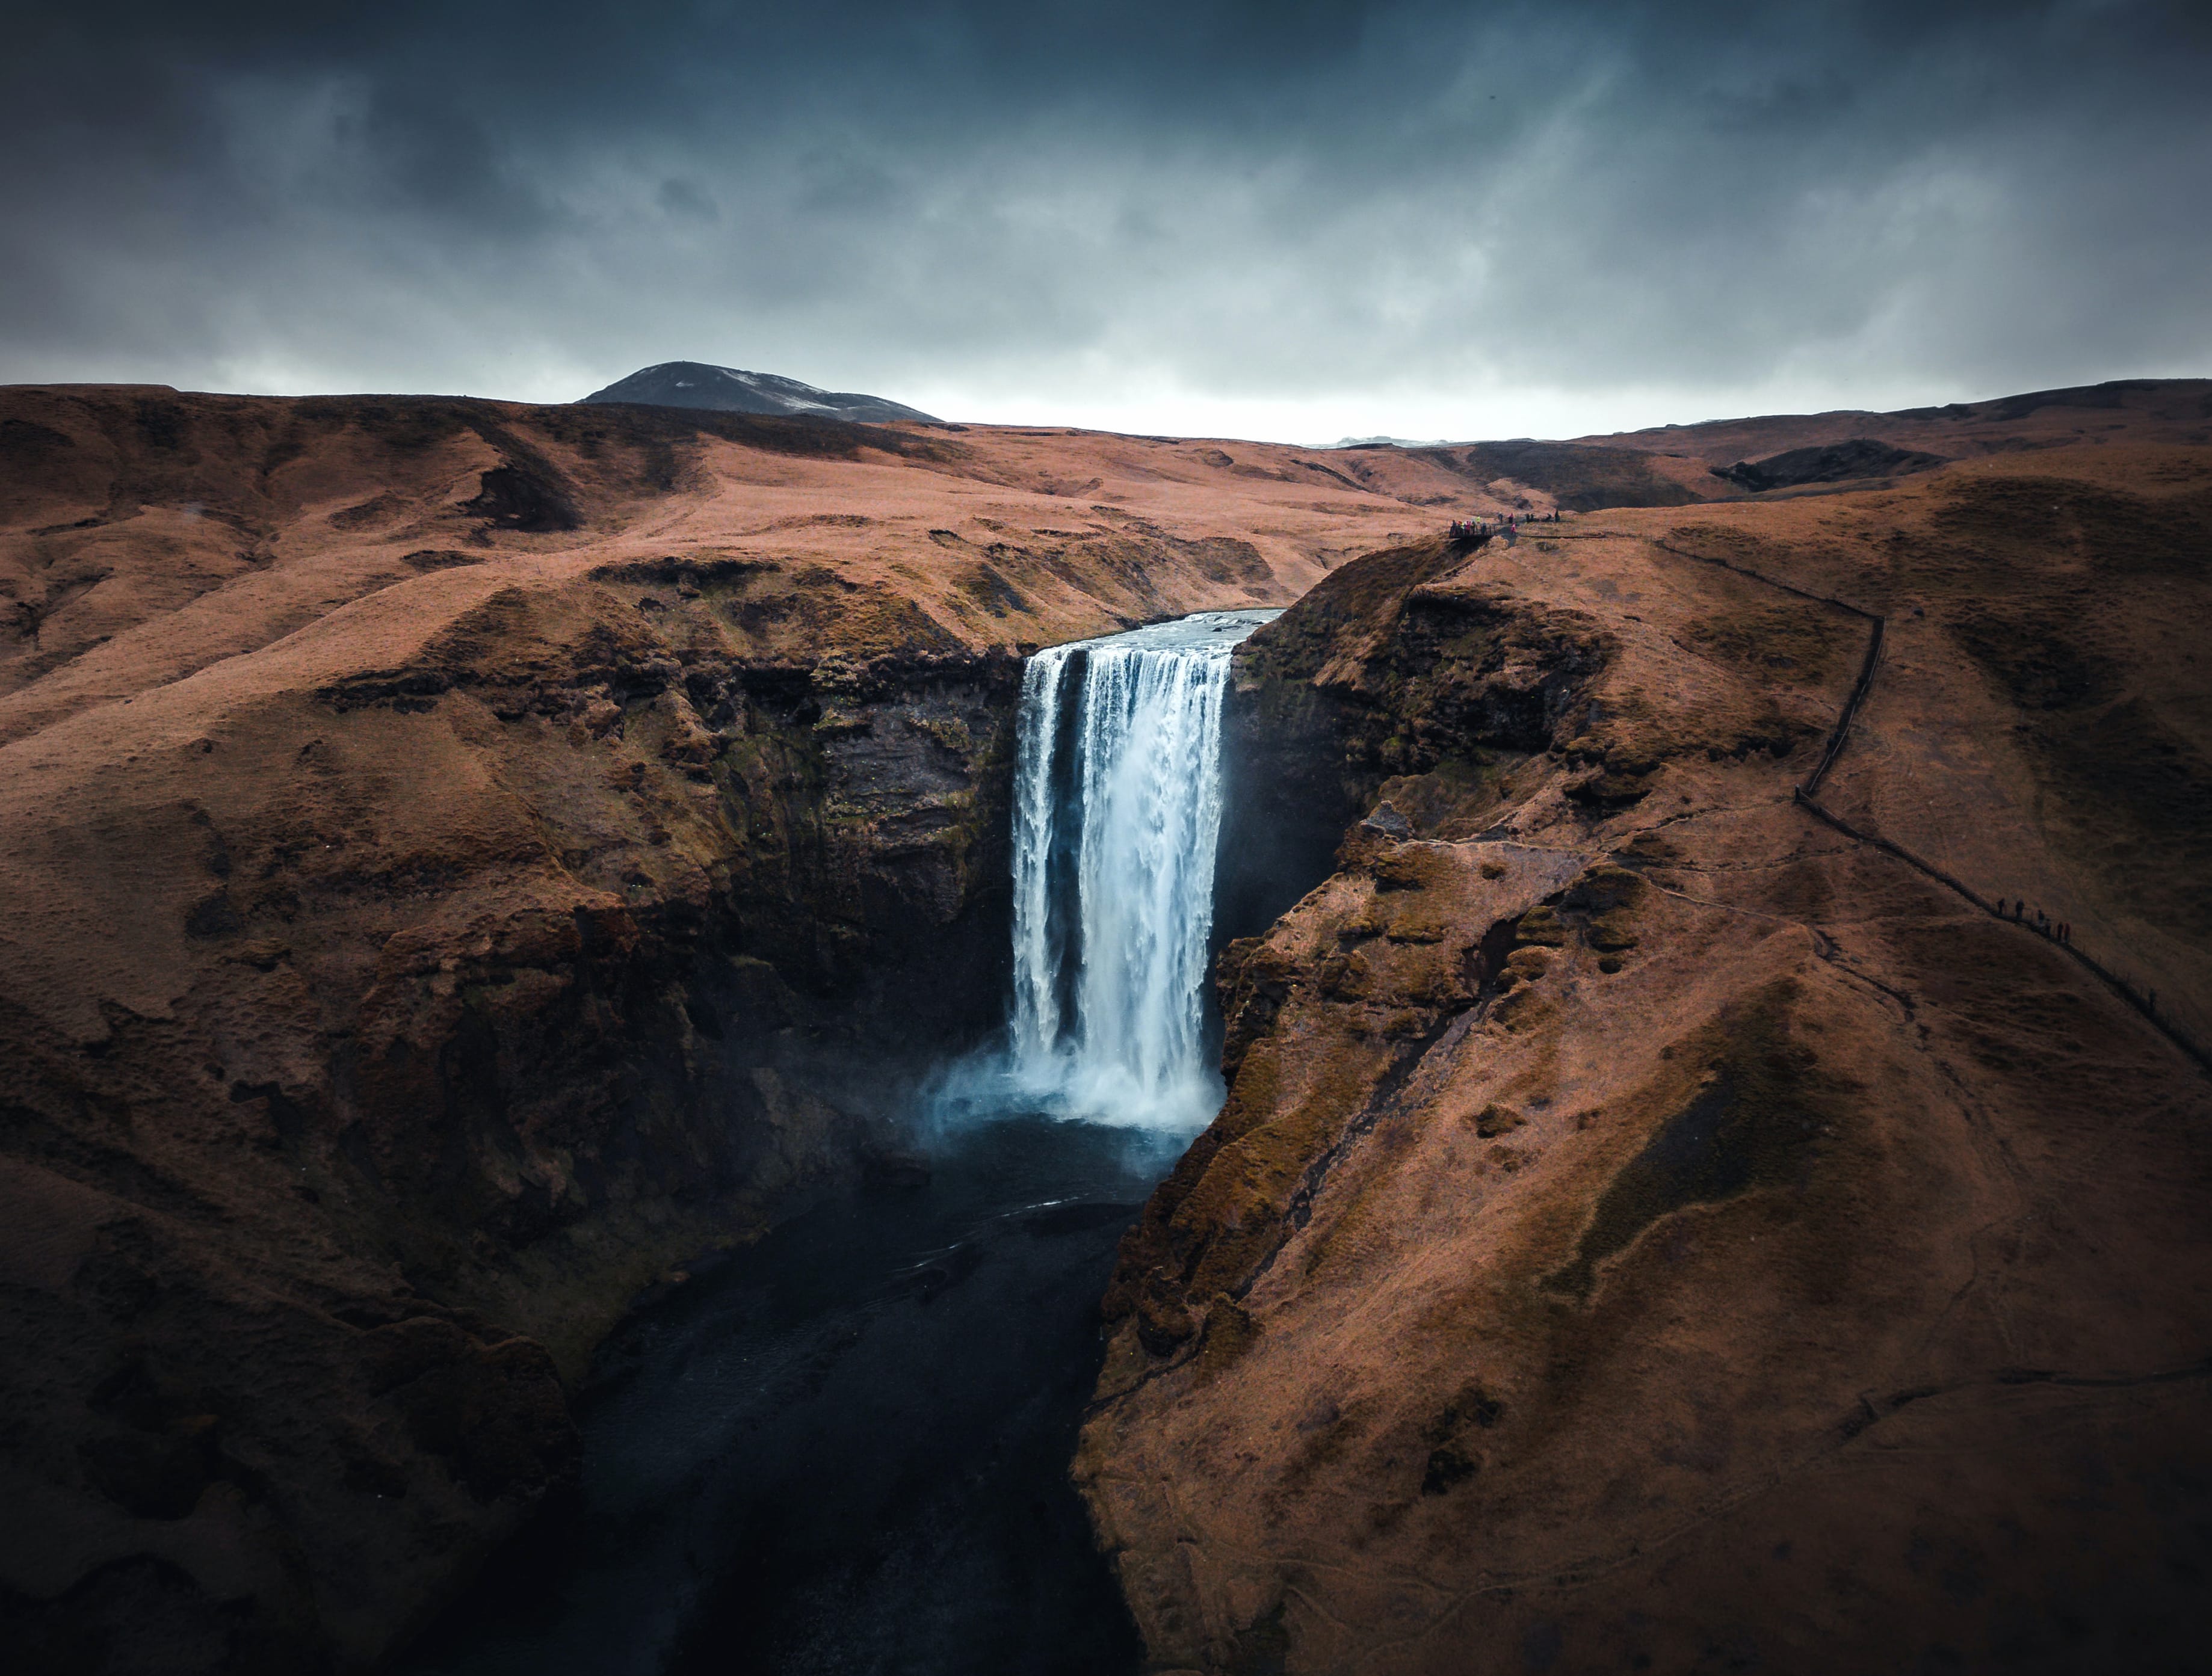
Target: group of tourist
x,y
2058,931
1466,529
2061,930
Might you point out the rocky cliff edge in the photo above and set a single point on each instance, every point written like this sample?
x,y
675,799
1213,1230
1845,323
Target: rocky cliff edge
x,y
1659,1224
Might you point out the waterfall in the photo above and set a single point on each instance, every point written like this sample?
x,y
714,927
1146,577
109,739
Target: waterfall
x,y
1117,808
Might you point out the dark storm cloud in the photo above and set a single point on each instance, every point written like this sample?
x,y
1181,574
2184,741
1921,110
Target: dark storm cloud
x,y
1298,208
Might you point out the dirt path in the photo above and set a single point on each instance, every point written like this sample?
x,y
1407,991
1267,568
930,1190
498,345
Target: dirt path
x,y
1804,794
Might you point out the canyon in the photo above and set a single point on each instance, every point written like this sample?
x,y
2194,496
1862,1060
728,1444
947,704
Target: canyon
x,y
463,862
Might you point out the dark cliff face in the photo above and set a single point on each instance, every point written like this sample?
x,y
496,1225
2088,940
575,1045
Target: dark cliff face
x,y
319,1246
1376,681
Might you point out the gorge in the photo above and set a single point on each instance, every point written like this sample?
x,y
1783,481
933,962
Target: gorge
x,y
809,1459
482,884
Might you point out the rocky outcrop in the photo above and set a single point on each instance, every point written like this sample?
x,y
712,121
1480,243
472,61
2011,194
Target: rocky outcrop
x,y
1649,1229
1834,463
1384,675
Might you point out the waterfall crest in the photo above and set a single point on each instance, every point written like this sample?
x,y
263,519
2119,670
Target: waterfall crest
x,y
1117,811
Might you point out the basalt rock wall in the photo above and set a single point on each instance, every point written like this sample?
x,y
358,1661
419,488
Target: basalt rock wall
x,y
515,989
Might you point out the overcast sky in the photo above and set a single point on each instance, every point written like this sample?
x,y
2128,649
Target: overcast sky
x,y
1264,218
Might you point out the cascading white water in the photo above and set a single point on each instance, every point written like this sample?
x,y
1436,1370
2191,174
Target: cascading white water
x,y
1117,808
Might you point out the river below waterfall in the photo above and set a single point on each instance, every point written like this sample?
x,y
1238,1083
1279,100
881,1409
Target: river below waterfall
x,y
845,1449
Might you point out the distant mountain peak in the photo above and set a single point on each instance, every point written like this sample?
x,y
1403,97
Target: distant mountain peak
x,y
732,390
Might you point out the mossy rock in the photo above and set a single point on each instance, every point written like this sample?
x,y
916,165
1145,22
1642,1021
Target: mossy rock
x,y
1452,1458
1608,790
1422,930
1609,934
1230,1332
1495,1119
1162,1323
1523,1010
1346,977
1400,870
1604,887
1448,1465
1541,926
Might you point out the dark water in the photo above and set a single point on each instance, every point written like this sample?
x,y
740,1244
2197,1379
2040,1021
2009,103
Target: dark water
x,y
845,1449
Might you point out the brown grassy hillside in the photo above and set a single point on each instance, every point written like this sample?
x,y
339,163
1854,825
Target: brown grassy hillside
x,y
457,859
1652,1227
